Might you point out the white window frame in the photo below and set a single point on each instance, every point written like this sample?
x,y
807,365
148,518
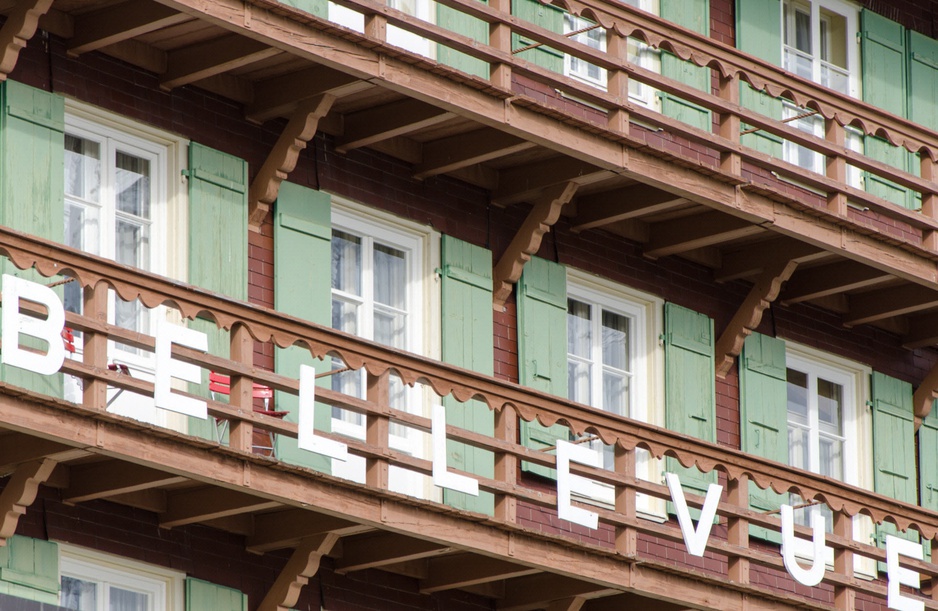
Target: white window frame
x,y
421,243
851,14
168,238
165,586
646,312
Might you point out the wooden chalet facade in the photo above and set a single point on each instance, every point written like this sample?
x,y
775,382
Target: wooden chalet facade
x,y
611,239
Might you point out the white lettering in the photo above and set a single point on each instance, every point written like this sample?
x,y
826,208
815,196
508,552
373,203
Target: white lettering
x,y
568,483
441,476
167,368
694,538
898,575
307,439
15,324
814,575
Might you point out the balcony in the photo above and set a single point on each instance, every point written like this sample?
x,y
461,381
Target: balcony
x,y
88,453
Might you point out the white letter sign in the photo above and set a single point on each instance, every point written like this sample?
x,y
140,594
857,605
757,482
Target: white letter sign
x,y
566,482
167,368
15,324
694,539
814,575
306,438
442,477
898,575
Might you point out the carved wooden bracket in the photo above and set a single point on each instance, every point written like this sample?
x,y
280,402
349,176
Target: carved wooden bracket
x,y
302,565
20,26
527,241
749,314
926,392
282,159
20,492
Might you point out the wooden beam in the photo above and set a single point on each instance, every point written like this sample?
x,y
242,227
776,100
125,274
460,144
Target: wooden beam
x,y
753,259
16,448
922,332
280,95
283,157
20,492
527,240
830,279
574,603
365,127
462,570
631,601
282,529
690,232
108,478
888,302
924,396
303,564
19,27
749,314
200,61
524,183
122,21
464,150
380,549
621,204
210,503
539,591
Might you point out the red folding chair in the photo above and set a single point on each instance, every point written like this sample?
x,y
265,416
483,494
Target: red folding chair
x,y
220,384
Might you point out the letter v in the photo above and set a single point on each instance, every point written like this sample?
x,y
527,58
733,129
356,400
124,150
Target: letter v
x,y
694,539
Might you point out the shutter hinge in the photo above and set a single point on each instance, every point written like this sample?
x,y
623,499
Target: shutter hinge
x,y
869,403
438,271
662,339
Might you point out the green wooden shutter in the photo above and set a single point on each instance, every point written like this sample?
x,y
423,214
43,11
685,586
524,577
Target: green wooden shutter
x,y
694,15
542,347
202,596
319,8
927,465
884,72
302,288
759,33
690,394
29,568
923,78
467,342
763,391
218,249
548,17
32,188
461,23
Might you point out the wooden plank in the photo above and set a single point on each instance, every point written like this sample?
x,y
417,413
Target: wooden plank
x,y
690,232
303,564
831,279
463,150
525,183
462,570
376,550
754,259
279,96
365,127
282,529
17,448
629,202
200,61
888,302
104,479
18,28
20,492
120,22
209,503
539,591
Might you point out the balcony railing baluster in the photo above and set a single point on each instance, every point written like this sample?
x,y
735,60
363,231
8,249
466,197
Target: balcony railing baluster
x,y
737,531
618,83
836,166
506,464
94,346
377,430
844,596
625,497
241,433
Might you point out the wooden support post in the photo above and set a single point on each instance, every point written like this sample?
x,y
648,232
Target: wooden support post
x,y
527,241
377,428
929,201
737,531
94,346
241,436
303,564
500,39
618,83
376,26
836,166
924,396
19,27
729,125
506,464
20,492
749,315
844,596
626,536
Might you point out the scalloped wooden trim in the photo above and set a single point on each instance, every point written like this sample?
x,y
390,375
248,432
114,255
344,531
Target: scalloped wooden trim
x,y
20,26
20,492
303,564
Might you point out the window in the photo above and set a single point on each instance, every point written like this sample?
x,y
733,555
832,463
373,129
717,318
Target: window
x,y
613,360
396,36
92,581
379,292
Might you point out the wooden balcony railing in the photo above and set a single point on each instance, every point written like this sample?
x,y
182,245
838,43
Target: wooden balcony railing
x,y
248,324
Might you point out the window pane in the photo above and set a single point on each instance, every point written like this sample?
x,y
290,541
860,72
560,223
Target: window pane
x,y
803,31
346,263
390,328
831,458
829,405
616,341
798,447
578,382
345,316
79,595
797,396
390,276
132,245
616,393
82,168
132,176
125,600
579,337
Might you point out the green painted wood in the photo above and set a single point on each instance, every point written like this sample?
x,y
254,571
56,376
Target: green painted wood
x,y
922,79
202,595
32,189
763,391
690,394
694,15
218,248
893,439
29,568
928,465
302,288
542,347
759,32
463,24
467,341
548,17
319,8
